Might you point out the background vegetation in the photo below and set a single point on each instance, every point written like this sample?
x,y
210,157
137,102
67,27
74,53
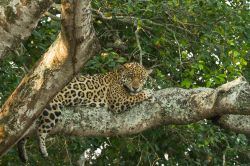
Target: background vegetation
x,y
188,43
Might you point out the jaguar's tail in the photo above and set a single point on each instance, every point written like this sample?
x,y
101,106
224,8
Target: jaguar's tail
x,y
22,150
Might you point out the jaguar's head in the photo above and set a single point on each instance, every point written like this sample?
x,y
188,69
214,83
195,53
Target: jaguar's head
x,y
134,76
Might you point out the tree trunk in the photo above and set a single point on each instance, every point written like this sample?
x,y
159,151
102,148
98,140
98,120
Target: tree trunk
x,y
71,50
17,20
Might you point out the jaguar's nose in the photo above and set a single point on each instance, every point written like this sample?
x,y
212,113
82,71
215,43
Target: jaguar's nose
x,y
135,89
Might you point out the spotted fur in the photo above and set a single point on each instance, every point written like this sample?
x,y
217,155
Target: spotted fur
x,y
117,90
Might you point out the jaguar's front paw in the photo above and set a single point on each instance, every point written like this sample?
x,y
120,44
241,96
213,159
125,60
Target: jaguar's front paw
x,y
149,95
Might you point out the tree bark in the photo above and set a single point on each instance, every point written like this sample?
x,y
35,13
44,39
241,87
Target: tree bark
x,y
172,106
74,46
17,20
236,123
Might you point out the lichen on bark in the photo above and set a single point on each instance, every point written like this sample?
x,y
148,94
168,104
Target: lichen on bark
x,y
4,2
10,14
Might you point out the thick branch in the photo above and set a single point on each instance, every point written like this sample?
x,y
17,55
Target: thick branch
x,y
51,73
237,123
172,106
17,20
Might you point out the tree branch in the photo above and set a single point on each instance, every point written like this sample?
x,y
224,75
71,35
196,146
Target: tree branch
x,y
52,16
237,123
172,106
17,20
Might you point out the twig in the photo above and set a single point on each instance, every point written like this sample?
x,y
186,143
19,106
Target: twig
x,y
156,65
22,52
138,43
179,48
224,159
52,16
127,19
179,27
57,6
82,160
139,160
66,148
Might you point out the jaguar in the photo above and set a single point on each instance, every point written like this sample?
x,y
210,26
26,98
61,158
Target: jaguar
x,y
117,90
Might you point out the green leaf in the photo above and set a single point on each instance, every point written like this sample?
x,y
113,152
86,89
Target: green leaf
x,y
186,83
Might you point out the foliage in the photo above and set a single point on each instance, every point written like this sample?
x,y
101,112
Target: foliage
x,y
188,43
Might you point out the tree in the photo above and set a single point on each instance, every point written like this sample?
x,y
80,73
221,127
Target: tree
x,y
190,44
58,66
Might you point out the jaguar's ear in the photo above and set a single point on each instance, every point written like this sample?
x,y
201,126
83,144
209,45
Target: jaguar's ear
x,y
124,66
120,66
127,65
150,71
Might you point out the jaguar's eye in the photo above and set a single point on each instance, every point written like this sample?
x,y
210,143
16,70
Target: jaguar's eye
x,y
143,76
